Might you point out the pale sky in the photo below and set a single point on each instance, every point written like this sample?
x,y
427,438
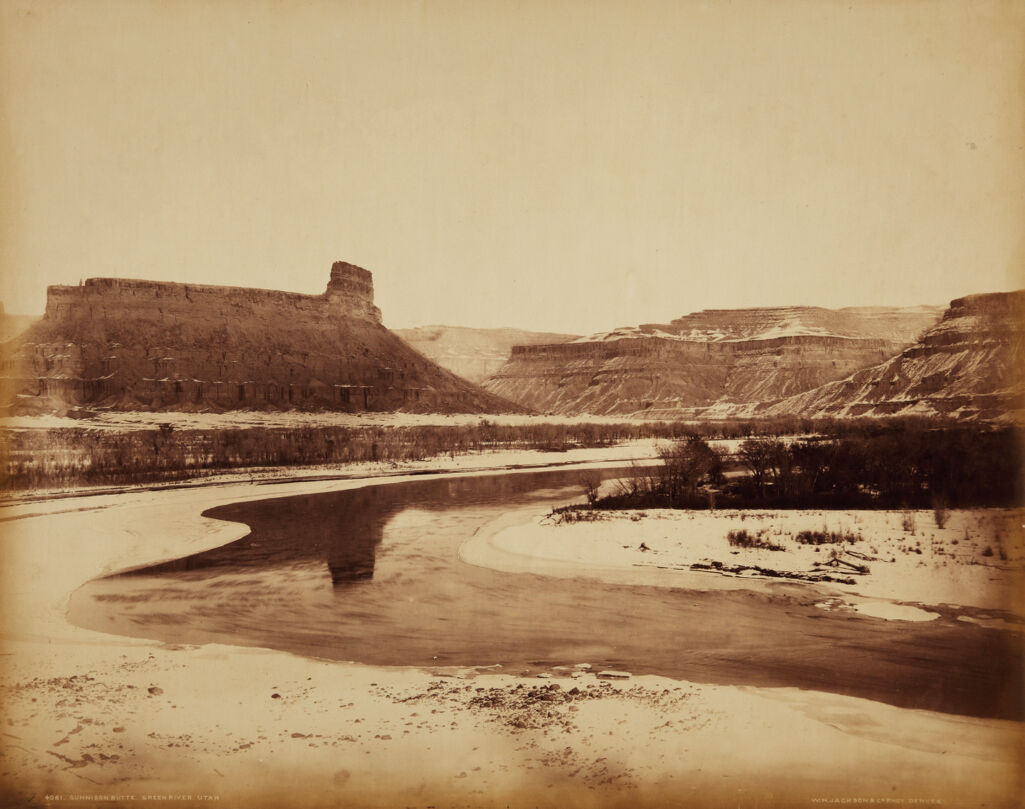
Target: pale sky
x,y
567,166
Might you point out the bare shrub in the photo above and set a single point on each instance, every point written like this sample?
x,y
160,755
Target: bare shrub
x,y
572,514
827,537
743,539
591,483
907,522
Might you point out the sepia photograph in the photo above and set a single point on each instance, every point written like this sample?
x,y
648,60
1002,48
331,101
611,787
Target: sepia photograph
x,y
512,404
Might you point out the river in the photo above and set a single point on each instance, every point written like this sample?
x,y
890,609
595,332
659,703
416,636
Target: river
x,y
372,575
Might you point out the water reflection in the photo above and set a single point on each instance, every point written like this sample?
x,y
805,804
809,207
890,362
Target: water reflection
x,y
345,529
373,575
291,531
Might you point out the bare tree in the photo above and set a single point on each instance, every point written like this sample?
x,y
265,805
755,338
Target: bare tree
x,y
591,483
685,466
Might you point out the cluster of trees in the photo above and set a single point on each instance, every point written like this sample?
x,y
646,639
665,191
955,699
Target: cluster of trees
x,y
688,471
800,425
867,468
956,467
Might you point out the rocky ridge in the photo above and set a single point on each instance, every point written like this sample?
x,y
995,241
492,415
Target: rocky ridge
x,y
708,359
142,345
731,325
971,364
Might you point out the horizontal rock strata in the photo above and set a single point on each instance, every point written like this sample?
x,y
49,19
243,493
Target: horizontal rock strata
x,y
145,345
971,364
707,359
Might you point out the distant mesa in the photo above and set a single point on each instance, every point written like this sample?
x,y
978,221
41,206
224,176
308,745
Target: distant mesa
x,y
124,344
474,354
706,363
13,325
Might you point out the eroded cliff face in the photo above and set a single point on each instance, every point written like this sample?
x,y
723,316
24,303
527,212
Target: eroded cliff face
x,y
971,364
127,345
712,358
474,354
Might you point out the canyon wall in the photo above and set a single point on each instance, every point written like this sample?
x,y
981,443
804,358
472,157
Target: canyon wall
x,y
127,344
970,365
707,359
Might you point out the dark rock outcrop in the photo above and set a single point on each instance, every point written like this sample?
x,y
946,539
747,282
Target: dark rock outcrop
x,y
144,345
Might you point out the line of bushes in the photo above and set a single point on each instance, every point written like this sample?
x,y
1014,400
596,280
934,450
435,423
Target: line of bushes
x,y
84,456
915,466
67,457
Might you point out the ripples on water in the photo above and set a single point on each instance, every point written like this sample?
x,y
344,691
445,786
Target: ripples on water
x,y
373,575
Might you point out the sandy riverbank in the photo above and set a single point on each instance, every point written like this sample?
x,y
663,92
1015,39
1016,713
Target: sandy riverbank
x,y
976,560
88,714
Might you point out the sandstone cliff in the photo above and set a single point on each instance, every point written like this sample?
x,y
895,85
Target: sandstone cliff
x,y
474,354
143,345
969,365
706,359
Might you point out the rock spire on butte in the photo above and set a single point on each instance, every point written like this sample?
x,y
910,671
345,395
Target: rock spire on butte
x,y
354,288
124,344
